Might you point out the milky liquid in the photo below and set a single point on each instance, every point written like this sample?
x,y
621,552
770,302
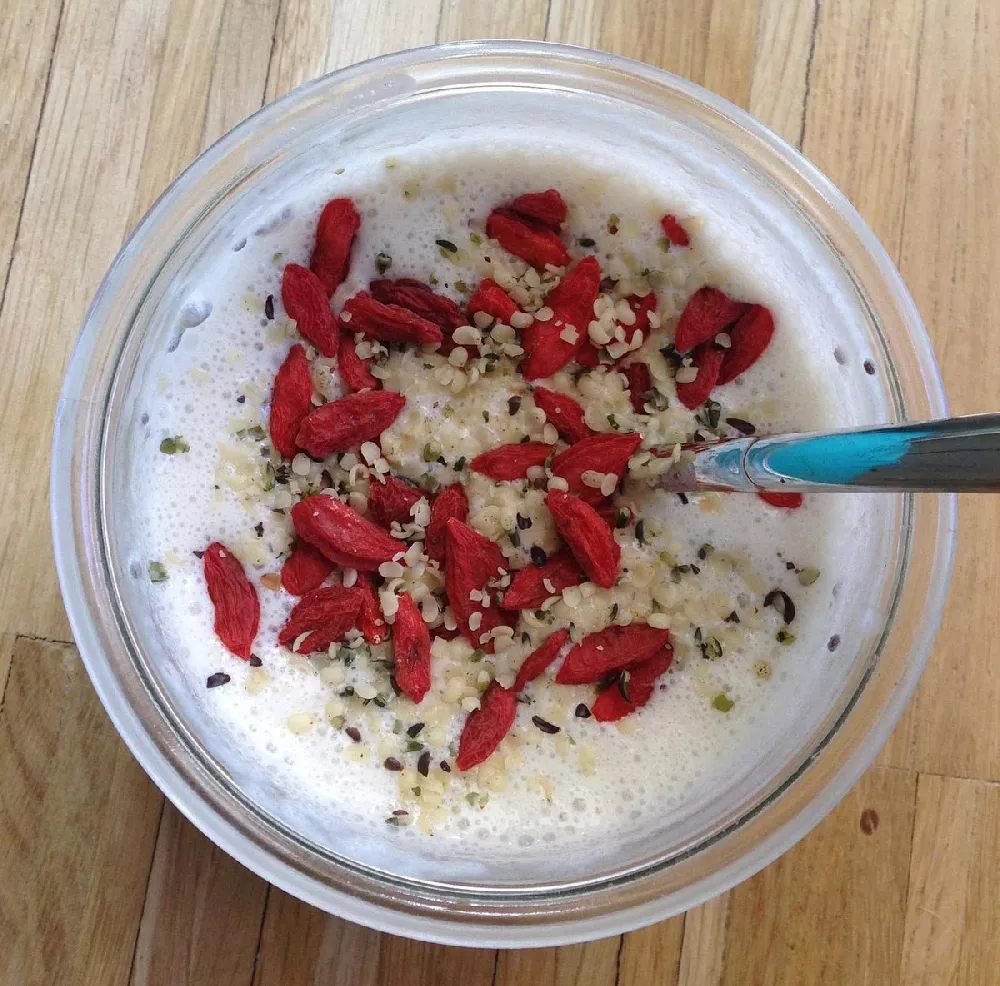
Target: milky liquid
x,y
271,727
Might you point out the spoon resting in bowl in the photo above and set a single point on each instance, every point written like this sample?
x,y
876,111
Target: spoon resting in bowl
x,y
948,455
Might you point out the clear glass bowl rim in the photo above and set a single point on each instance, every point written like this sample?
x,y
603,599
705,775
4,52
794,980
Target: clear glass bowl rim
x,y
619,905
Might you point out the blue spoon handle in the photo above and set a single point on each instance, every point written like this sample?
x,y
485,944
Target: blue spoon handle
x,y
949,455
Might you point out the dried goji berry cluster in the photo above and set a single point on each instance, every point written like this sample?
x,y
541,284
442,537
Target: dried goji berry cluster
x,y
366,553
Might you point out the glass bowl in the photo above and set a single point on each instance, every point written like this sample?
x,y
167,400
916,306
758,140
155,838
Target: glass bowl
x,y
383,106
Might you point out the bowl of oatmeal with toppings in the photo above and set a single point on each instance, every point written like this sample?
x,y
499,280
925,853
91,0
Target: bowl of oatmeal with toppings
x,y
357,503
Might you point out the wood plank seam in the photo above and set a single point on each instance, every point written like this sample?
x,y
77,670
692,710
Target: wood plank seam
x,y
270,56
260,930
809,65
31,158
145,895
618,960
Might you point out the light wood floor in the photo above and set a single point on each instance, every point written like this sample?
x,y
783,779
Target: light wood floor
x,y
102,102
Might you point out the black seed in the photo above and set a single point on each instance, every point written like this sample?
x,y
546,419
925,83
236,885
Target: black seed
x,y
391,763
782,604
640,531
241,399
544,725
733,617
682,497
414,730
445,766
581,711
424,763
833,643
459,463
869,367
513,404
255,661
199,554
447,245
525,637
624,678
671,355
695,570
219,678
515,539
523,522
354,733
614,613
586,242
269,307
744,427
383,262
259,530
790,566
538,556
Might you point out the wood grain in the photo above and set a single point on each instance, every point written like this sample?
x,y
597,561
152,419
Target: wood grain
x,y
202,916
951,268
79,821
954,876
651,955
831,910
514,19
76,212
300,945
592,964
702,950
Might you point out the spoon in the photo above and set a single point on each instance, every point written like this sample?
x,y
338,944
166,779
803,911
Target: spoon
x,y
948,455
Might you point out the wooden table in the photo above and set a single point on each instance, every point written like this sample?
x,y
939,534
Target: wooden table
x,y
101,104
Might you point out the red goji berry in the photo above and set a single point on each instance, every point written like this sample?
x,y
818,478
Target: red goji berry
x,y
471,560
291,401
588,536
706,359
604,453
486,726
509,462
539,659
563,413
449,502
612,705
389,323
305,569
305,301
640,384
237,608
750,337
572,303
331,257
608,651
348,422
532,241
353,369
342,534
392,500
325,614
419,299
588,355
707,313
547,208
527,588
489,297
675,233
411,650
371,623
789,501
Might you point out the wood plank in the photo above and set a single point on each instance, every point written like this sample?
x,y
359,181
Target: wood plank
x,y
514,19
708,41
591,964
781,68
317,36
652,955
951,270
27,38
79,819
953,908
239,70
6,652
704,943
832,909
300,945
76,212
203,912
